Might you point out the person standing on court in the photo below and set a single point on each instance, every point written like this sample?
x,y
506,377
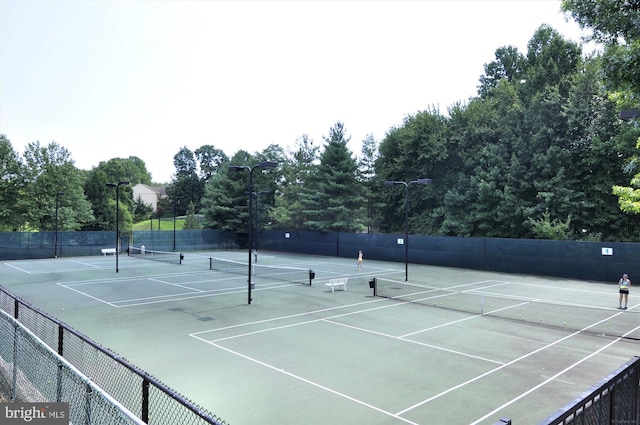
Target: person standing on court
x,y
624,283
360,255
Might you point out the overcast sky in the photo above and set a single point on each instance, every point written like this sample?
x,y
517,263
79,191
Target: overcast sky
x,y
111,79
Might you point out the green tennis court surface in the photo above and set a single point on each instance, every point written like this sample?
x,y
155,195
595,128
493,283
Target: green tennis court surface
x,y
449,346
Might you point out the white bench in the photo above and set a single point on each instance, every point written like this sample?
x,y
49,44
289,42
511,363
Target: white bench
x,y
339,283
106,251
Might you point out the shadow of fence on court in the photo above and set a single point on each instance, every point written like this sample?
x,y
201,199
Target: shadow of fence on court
x,y
117,379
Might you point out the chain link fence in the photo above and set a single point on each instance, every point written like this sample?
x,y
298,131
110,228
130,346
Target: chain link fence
x,y
614,400
30,370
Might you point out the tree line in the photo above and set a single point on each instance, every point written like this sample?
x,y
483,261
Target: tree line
x,y
540,152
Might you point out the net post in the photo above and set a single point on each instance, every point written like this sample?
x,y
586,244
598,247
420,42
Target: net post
x,y
210,263
312,275
181,257
373,284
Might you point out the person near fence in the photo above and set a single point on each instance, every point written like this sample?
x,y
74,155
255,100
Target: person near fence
x,y
360,255
623,284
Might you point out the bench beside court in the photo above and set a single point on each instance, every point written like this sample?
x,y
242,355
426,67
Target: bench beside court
x,y
340,283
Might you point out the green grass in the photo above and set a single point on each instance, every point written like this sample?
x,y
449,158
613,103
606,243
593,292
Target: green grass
x,y
165,224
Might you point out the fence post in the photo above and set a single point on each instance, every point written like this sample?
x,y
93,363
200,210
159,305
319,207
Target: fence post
x,y
145,400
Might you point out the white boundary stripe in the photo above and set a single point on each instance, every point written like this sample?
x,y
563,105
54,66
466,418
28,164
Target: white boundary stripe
x,y
87,295
315,384
424,344
194,292
463,384
87,264
403,338
526,393
17,268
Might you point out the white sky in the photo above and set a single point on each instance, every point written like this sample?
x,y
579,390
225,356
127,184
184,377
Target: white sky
x,y
110,79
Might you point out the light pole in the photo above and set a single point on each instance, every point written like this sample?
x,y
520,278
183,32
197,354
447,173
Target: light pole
x,y
262,192
262,165
406,217
55,253
174,226
174,223
117,186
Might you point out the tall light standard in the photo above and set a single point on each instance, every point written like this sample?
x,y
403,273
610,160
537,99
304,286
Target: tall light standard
x,y
117,186
262,192
174,223
55,253
406,217
262,165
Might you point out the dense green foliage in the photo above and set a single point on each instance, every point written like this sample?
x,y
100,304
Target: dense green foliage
x,y
536,154
616,24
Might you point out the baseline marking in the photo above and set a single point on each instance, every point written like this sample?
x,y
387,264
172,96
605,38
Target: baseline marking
x,y
463,384
315,384
526,393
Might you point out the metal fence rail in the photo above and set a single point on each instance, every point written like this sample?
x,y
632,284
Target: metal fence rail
x,y
614,400
140,393
31,371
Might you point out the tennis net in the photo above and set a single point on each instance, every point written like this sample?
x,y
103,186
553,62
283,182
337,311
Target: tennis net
x,y
149,254
288,274
485,299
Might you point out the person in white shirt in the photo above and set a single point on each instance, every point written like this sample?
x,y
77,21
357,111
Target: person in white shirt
x,y
624,283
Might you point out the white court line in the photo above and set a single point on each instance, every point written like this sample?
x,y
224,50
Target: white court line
x,y
540,385
307,313
396,415
86,264
189,296
175,284
134,302
127,279
464,384
17,268
399,338
331,321
148,301
87,295
305,380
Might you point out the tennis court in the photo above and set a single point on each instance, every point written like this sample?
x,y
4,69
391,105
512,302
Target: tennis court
x,y
450,346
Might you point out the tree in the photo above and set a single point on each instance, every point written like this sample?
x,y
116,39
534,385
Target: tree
x,y
141,211
185,186
11,175
47,171
546,228
550,61
115,170
417,149
225,204
616,24
297,166
508,66
192,221
333,198
131,169
210,160
366,166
